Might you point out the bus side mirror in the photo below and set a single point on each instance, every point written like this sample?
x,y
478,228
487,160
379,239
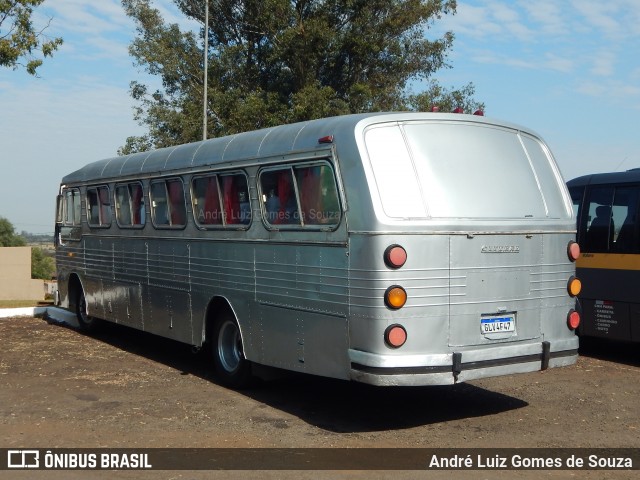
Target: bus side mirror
x,y
59,215
57,240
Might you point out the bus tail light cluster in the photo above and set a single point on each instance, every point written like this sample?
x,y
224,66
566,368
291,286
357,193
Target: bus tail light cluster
x,y
574,285
573,319
395,256
395,297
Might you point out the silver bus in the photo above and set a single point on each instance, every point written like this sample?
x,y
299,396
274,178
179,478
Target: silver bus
x,y
389,249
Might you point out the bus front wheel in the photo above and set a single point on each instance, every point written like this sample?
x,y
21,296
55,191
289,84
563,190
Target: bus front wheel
x,y
233,369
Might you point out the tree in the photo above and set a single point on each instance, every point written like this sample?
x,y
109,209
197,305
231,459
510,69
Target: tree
x,y
8,237
42,265
19,40
445,99
280,61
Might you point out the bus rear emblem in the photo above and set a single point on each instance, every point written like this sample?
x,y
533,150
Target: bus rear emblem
x,y
500,249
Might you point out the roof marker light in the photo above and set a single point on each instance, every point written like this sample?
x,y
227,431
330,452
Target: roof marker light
x,y
327,139
479,112
435,108
458,110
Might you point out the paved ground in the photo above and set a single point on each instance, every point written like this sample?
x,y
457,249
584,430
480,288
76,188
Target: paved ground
x,y
121,388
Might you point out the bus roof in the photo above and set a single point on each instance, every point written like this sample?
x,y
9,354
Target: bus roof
x,y
269,142
630,176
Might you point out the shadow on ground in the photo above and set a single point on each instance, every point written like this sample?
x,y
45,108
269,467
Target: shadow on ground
x,y
334,405
611,350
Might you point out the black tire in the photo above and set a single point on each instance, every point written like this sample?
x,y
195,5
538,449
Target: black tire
x,y
232,368
86,322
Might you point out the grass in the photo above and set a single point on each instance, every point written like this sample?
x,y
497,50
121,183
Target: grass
x,y
22,303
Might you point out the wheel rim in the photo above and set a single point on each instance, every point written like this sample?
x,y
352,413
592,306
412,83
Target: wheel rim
x,y
230,346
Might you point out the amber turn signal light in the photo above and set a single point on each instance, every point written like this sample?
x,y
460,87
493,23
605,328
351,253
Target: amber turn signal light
x,y
574,286
395,297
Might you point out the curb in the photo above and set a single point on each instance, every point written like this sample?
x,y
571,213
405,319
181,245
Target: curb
x,y
50,313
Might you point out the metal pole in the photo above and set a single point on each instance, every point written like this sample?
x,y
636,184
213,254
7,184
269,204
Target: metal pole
x,y
206,63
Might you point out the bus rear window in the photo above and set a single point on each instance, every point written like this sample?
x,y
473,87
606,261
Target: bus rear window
x,y
458,170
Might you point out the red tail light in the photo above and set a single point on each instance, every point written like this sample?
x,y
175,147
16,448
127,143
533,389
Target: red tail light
x,y
395,256
573,251
395,336
573,319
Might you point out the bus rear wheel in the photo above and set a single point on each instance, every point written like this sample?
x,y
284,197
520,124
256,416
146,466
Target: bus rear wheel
x,y
86,322
233,369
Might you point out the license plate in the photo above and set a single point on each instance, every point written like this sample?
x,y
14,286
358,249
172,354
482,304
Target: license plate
x,y
502,324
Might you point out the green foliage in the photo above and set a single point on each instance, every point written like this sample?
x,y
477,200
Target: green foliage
x,y
8,236
446,100
42,265
272,62
18,39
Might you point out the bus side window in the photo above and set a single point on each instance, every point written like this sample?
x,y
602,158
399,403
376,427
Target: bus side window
x,y
279,197
130,205
69,216
625,216
123,206
72,208
600,234
159,208
613,225
98,206
318,195
235,198
600,226
168,207
206,200
137,204
176,201
576,198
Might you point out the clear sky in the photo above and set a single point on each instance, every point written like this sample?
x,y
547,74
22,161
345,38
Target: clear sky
x,y
569,70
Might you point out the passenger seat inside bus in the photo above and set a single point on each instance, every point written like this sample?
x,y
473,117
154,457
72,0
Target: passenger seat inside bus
x,y
600,233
